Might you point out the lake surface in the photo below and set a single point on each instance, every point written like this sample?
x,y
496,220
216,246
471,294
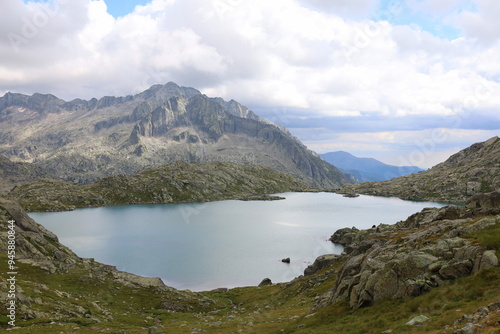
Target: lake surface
x,y
221,244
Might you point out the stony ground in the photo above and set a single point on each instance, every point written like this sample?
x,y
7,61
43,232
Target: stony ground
x,y
435,272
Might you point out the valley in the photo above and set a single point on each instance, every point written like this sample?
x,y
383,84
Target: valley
x,y
436,271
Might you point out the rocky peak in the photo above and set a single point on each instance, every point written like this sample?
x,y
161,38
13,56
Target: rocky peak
x,y
160,93
13,99
41,103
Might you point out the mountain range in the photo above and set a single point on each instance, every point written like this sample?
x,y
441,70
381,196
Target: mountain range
x,y
85,140
367,169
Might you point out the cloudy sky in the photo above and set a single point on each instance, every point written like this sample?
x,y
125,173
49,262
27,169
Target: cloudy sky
x,y
406,82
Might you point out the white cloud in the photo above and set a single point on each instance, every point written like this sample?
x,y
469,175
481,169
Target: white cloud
x,y
346,8
481,24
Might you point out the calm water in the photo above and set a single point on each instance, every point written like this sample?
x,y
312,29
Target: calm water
x,y
221,244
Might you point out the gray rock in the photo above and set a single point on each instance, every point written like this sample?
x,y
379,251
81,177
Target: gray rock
x,y
345,236
489,259
407,259
320,263
457,269
202,128
467,329
154,330
266,282
418,320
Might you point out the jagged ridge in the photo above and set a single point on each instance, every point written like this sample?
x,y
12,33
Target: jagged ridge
x,y
84,141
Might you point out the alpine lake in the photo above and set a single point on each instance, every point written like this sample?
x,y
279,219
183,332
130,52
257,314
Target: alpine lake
x,y
204,246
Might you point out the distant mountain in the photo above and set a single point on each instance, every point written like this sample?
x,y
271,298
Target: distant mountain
x,y
473,170
367,169
84,141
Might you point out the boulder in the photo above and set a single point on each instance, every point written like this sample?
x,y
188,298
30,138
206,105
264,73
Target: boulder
x,y
266,282
417,321
320,263
154,330
345,236
489,259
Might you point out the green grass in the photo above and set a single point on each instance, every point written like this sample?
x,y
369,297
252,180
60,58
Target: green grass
x,y
489,237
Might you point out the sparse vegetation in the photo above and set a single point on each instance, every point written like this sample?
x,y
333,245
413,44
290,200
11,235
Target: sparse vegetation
x,y
83,296
173,183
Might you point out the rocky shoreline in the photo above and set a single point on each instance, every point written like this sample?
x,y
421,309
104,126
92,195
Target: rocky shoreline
x,y
413,256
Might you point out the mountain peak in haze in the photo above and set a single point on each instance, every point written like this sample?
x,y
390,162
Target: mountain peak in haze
x,y
366,169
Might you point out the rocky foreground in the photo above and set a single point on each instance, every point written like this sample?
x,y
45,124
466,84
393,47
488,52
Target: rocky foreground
x,y
435,272
413,256
473,170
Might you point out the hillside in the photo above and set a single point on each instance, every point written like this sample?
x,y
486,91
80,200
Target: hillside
x,y
367,169
435,272
473,170
14,173
84,141
172,183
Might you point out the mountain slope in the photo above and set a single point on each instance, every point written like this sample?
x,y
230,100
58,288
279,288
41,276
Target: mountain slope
x,y
84,141
366,169
473,170
172,183
14,173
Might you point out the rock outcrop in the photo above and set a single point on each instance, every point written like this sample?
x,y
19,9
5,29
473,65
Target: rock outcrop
x,y
413,256
473,170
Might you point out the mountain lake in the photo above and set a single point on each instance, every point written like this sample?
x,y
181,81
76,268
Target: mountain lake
x,y
204,246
